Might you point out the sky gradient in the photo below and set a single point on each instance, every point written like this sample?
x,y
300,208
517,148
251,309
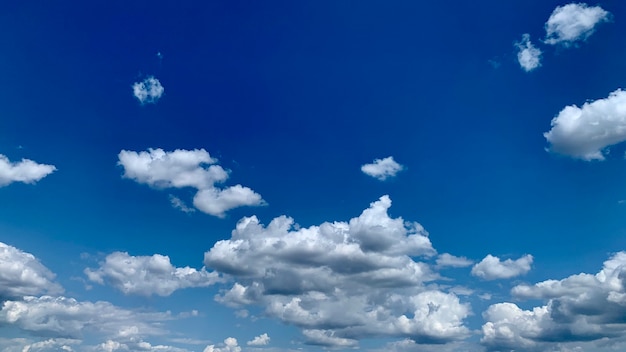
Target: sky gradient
x,y
233,176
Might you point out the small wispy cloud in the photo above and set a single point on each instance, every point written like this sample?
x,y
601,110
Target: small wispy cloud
x,y
528,56
178,203
148,91
382,169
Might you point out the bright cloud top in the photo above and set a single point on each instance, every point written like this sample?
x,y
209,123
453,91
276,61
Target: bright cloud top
x,y
528,56
230,345
492,268
382,169
582,307
26,171
148,275
148,91
188,168
340,281
21,274
571,23
584,132
260,340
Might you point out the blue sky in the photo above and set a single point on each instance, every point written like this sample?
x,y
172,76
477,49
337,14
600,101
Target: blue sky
x,y
280,176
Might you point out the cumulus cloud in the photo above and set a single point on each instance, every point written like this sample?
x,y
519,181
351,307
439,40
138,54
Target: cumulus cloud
x,y
148,91
62,317
450,260
148,275
25,171
21,274
585,132
340,281
582,307
382,169
260,340
571,23
229,345
528,56
491,268
188,168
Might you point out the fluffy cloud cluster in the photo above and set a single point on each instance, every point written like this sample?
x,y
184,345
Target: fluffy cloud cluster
x,y
26,171
528,56
148,91
68,318
148,275
21,274
492,268
382,169
582,307
572,23
188,168
229,345
340,281
584,132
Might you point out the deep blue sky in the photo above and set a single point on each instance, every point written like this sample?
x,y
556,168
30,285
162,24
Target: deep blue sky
x,y
293,97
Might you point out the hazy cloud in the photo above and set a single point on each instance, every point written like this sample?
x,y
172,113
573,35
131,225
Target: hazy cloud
x,y
446,259
188,168
491,268
148,275
382,169
528,56
25,171
148,91
572,23
584,132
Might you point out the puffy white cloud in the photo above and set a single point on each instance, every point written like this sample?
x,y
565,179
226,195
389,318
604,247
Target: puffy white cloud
x,y
51,345
21,274
148,275
340,281
148,91
582,307
491,268
68,318
25,171
584,132
573,22
260,340
528,56
229,345
446,259
382,169
187,168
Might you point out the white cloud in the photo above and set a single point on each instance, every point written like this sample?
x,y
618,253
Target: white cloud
x,y
340,281
585,132
491,268
571,23
148,275
68,318
446,259
51,345
229,345
188,168
260,340
528,56
382,169
26,171
148,91
21,274
582,307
